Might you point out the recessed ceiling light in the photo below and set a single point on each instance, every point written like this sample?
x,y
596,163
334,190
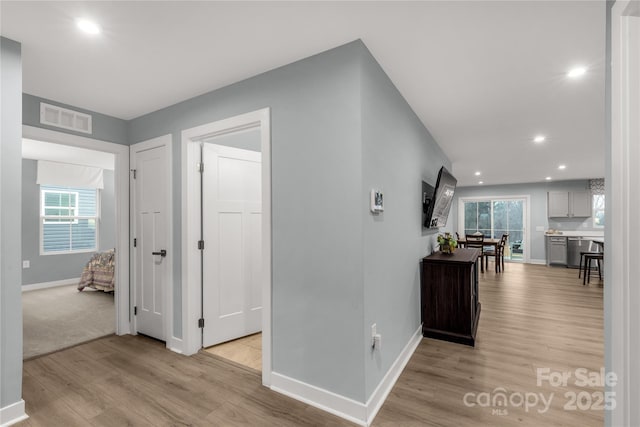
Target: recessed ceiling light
x,y
538,139
88,26
478,173
562,167
548,178
576,72
480,182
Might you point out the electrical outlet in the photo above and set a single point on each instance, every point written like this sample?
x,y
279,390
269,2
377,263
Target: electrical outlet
x,y
26,264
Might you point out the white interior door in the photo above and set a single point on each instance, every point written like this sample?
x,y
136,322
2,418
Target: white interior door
x,y
150,233
232,291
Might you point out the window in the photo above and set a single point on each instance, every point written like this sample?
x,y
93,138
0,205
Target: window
x,y
598,210
68,220
59,206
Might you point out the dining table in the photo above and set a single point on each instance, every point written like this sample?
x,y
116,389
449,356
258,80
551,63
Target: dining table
x,y
486,242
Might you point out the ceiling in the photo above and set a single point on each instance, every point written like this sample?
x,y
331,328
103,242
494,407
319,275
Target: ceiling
x,y
484,77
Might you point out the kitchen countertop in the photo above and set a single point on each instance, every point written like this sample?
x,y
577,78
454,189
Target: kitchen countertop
x,y
586,233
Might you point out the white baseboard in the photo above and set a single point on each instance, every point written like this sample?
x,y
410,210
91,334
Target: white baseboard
x,y
344,407
538,261
12,414
55,283
328,401
379,395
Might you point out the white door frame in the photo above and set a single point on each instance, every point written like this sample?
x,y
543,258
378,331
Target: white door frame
x,y
621,293
172,342
121,177
191,272
527,215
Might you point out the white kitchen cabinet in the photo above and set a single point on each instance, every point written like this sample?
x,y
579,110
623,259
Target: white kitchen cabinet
x,y
569,204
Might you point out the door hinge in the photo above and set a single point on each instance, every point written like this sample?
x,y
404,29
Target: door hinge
x,y
135,172
201,244
135,310
200,323
200,167
135,242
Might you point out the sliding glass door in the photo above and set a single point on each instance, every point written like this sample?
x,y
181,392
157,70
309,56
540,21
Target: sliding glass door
x,y
494,217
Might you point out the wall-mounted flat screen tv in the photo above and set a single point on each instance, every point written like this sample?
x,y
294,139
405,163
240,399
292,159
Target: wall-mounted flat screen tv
x,y
435,207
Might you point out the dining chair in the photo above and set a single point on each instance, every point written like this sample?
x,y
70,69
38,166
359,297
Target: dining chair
x,y
476,241
497,253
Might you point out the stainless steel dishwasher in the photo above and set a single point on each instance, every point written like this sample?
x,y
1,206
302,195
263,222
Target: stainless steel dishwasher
x,y
575,245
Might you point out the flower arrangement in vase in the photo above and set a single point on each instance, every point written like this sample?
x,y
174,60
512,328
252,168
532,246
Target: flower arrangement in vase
x,y
447,243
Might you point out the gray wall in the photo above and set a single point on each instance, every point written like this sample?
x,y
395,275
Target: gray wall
x,y
316,211
104,128
339,128
538,200
398,153
47,268
10,271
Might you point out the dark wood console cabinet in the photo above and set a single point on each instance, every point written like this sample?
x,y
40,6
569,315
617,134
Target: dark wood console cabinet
x,y
449,296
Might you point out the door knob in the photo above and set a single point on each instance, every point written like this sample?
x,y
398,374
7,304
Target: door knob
x,y
162,253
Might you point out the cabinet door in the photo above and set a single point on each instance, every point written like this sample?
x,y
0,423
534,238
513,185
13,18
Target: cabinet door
x,y
558,203
581,204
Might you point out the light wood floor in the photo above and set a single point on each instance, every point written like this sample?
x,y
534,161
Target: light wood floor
x,y
532,316
246,351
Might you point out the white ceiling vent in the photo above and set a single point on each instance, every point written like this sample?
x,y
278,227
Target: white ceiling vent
x,y
53,115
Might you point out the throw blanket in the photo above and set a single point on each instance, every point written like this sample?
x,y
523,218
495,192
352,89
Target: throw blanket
x,y
98,273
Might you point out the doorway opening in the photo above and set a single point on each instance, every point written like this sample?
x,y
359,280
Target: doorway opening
x,y
231,259
227,239
72,205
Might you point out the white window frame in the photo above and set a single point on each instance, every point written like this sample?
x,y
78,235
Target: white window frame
x,y
594,210
47,219
72,220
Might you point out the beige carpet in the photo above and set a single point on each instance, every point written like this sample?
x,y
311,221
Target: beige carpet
x,y
246,351
60,317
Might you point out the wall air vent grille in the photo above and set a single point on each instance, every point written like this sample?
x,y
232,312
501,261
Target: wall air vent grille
x,y
53,115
